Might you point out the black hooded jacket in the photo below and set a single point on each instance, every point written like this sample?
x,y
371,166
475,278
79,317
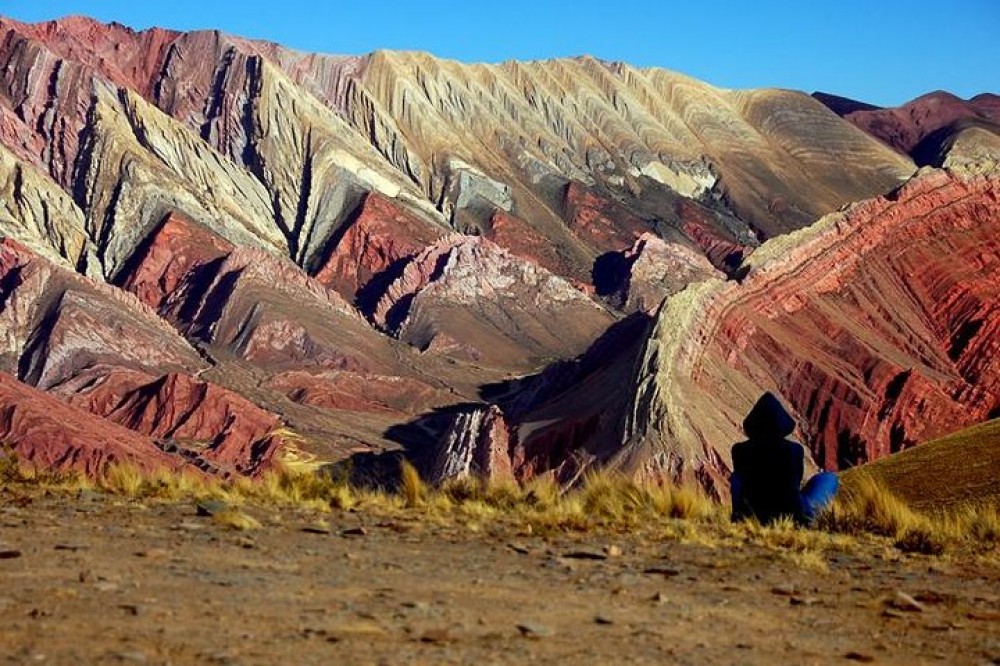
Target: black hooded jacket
x,y
768,467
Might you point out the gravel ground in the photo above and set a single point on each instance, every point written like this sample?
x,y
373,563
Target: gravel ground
x,y
97,580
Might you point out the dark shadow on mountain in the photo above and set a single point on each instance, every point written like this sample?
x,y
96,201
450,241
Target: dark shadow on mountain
x,y
418,439
517,396
933,148
367,297
610,273
842,106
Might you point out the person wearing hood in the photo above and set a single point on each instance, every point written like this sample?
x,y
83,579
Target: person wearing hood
x,y
768,467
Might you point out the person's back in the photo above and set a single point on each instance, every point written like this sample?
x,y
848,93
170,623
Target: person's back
x,y
768,469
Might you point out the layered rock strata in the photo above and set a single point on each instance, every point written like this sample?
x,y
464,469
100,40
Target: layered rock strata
x,y
210,239
877,324
47,433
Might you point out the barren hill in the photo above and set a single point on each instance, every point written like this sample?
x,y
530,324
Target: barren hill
x,y
237,250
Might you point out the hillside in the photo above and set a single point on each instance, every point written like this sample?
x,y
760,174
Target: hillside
x,y
241,252
954,470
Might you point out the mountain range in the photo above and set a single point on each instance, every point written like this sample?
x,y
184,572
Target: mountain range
x,y
223,253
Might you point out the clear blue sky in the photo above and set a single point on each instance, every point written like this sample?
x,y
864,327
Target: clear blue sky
x,y
882,51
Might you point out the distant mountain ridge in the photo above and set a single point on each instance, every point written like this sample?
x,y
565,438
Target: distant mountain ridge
x,y
361,249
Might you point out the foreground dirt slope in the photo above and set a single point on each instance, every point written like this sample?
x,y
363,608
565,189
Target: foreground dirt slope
x,y
95,581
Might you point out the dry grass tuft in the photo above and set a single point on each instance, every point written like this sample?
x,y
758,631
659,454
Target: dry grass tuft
x,y
123,479
236,519
980,523
865,509
867,506
411,486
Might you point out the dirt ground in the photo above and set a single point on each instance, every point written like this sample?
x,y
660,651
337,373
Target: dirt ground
x,y
96,580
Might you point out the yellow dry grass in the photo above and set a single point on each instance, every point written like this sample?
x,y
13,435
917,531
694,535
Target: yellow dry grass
x,y
865,509
945,474
236,519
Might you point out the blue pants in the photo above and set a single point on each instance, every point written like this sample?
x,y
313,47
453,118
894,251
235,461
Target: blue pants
x,y
818,493
815,496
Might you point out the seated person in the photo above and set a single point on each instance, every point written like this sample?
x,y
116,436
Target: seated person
x,y
767,470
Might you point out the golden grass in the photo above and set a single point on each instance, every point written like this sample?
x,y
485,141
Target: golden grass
x,y
945,474
867,506
411,486
236,519
865,509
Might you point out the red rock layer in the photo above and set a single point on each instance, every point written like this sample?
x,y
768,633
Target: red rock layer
x,y
170,254
724,253
379,235
879,325
248,302
48,433
55,323
906,126
359,392
600,222
212,427
230,430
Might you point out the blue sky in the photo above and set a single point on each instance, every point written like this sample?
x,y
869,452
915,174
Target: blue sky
x,y
882,51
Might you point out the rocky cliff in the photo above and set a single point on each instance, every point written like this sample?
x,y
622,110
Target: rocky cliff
x,y
877,324
209,240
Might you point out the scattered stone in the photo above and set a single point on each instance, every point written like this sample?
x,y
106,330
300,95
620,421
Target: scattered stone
x,y
439,636
613,551
153,553
187,527
207,508
783,590
932,597
130,609
859,656
318,528
669,572
106,586
603,618
366,630
534,630
85,576
586,555
9,553
72,547
132,657
892,612
904,602
354,531
983,615
518,548
246,542
659,598
803,601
